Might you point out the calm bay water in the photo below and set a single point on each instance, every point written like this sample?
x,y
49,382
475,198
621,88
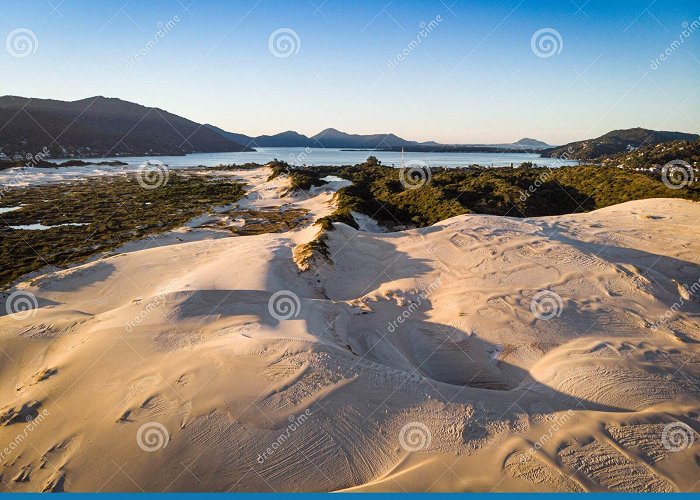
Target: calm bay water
x,y
336,157
295,156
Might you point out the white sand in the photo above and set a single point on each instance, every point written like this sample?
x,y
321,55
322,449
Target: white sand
x,y
412,361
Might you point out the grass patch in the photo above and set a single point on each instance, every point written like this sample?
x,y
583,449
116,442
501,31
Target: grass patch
x,y
115,209
261,221
306,252
517,192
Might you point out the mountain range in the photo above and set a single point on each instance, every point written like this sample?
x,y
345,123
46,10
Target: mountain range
x,y
333,138
617,141
328,138
102,127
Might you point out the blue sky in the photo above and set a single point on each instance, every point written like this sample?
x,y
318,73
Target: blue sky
x,y
473,78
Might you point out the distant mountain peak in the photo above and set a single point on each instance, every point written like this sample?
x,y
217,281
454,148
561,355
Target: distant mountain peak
x,y
331,130
531,143
334,138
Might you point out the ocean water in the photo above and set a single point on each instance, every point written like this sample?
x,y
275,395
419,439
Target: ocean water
x,y
294,156
336,157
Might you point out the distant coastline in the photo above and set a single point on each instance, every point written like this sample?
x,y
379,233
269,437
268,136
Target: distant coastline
x,y
442,148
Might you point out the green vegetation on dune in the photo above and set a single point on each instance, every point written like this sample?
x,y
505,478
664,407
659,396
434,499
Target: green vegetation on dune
x,y
606,186
115,210
259,221
377,191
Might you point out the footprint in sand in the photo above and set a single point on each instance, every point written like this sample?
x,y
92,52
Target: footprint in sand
x,y
642,438
522,466
611,470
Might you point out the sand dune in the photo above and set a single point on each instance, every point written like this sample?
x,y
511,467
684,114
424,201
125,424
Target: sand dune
x,y
482,353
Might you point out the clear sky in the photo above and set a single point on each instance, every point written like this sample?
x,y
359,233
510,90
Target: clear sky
x,y
474,76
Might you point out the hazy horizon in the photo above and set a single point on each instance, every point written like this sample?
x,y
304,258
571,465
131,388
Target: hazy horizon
x,y
473,73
